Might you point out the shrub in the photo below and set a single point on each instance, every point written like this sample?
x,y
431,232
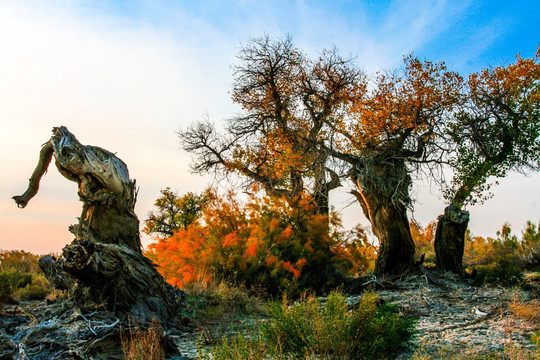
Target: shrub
x,y
240,347
504,259
329,331
38,289
502,272
10,282
21,278
264,243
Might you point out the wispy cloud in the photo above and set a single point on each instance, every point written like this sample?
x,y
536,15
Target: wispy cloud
x,y
126,75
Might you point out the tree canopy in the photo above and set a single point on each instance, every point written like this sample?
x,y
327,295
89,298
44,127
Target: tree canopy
x,y
306,125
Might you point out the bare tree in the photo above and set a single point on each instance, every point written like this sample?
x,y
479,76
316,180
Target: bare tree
x,y
287,102
104,266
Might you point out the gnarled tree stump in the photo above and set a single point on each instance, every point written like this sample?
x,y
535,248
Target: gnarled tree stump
x,y
450,239
104,266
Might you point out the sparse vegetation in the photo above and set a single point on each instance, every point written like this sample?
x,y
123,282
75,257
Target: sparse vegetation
x,y
21,278
143,344
312,329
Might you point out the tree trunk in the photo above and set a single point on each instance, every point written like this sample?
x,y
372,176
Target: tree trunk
x,y
450,239
103,268
382,191
107,192
396,246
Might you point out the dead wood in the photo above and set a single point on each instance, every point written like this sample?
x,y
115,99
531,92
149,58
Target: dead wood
x,y
103,269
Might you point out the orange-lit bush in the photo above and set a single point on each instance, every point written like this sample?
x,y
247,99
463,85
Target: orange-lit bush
x,y
264,243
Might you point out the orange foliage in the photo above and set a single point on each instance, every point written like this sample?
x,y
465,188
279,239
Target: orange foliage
x,y
424,240
407,103
262,243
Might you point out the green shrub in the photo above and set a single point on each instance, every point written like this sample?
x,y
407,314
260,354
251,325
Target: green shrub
x,y
14,285
10,282
306,329
38,289
238,348
503,272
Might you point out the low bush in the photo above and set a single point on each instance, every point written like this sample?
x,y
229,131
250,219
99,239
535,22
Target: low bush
x,y
10,282
326,331
38,289
504,272
21,277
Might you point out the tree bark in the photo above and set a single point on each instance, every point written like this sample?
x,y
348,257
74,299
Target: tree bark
x,y
396,249
107,192
382,191
103,268
450,239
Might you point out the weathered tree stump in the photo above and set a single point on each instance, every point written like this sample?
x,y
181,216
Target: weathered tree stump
x,y
450,239
103,268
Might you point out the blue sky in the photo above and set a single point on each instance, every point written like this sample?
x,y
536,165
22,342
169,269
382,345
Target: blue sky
x,y
126,75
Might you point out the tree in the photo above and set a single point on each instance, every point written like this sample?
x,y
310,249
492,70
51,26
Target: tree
x,y
286,101
264,243
173,213
393,128
496,130
105,261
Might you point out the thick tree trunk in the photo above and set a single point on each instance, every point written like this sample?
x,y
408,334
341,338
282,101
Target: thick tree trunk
x,y
450,239
383,193
396,247
107,192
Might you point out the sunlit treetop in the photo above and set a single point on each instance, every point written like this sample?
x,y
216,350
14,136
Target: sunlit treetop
x,y
497,129
401,111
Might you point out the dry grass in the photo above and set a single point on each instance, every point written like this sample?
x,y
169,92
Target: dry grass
x,y
527,311
143,344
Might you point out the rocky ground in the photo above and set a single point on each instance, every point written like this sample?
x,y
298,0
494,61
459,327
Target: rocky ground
x,y
454,319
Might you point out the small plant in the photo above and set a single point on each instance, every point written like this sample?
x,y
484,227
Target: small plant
x,y
238,348
10,281
143,344
38,289
503,272
308,329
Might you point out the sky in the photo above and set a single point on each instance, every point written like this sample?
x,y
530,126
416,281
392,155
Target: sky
x,y
127,75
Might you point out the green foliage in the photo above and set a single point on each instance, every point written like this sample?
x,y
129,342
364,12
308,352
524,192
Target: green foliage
x,y
10,281
308,329
504,259
38,289
238,348
496,130
502,272
21,278
173,213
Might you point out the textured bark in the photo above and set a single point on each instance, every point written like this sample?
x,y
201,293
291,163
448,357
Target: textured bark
x,y
119,280
450,239
382,192
396,249
103,268
107,192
